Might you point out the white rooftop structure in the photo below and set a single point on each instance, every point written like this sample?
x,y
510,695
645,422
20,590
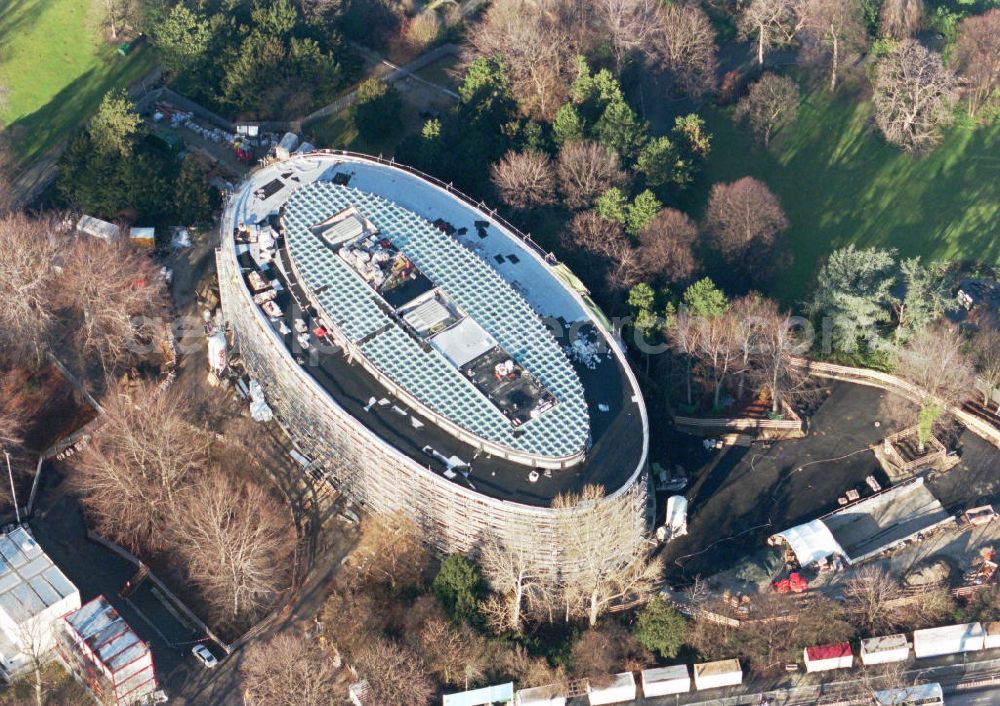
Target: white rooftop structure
x,y
107,653
866,528
34,593
925,694
495,313
97,228
811,542
463,342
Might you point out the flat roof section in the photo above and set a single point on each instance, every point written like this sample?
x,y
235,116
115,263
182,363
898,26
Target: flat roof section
x,y
29,581
614,408
463,342
332,281
882,521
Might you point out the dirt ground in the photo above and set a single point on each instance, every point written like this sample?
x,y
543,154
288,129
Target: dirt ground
x,y
753,493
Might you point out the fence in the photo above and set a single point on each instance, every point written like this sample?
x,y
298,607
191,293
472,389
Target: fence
x,y
188,613
771,428
875,378
759,425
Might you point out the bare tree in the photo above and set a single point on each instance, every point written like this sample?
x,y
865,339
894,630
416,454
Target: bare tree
x,y
423,30
11,427
605,553
591,233
525,179
976,58
605,650
900,19
287,670
535,40
630,26
871,595
771,104
771,21
718,353
986,346
34,637
455,654
139,458
913,96
666,246
586,169
685,46
396,675
26,282
744,218
114,297
837,24
389,553
235,541
682,336
777,345
607,242
514,574
935,361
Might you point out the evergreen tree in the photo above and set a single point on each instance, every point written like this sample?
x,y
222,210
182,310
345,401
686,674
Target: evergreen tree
x,y
567,126
613,205
704,299
660,628
660,163
376,109
620,129
641,211
195,200
116,126
182,37
459,587
854,295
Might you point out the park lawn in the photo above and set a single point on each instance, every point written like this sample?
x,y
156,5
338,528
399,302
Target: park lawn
x,y
57,68
840,183
339,132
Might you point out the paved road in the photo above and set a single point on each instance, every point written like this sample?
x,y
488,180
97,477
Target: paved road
x,y
191,685
981,697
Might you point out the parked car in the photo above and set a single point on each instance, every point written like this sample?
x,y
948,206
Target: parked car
x,y
303,340
300,326
283,328
203,655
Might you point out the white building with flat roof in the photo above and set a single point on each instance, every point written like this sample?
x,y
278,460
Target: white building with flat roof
x,y
34,594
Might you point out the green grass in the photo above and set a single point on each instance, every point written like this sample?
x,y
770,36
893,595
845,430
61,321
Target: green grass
x,y
57,68
338,131
840,183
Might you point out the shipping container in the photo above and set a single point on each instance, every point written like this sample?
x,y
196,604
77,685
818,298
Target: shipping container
x,y
919,695
947,640
548,695
885,649
711,675
621,689
992,635
663,681
823,658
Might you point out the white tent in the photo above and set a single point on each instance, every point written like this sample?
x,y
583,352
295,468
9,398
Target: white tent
x,y
811,542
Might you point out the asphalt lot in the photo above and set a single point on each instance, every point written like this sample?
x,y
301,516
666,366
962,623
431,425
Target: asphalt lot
x,y
96,570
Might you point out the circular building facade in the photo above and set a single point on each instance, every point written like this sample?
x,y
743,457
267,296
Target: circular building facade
x,y
424,355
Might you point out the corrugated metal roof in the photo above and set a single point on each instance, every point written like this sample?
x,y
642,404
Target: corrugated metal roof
x,y
107,634
29,581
